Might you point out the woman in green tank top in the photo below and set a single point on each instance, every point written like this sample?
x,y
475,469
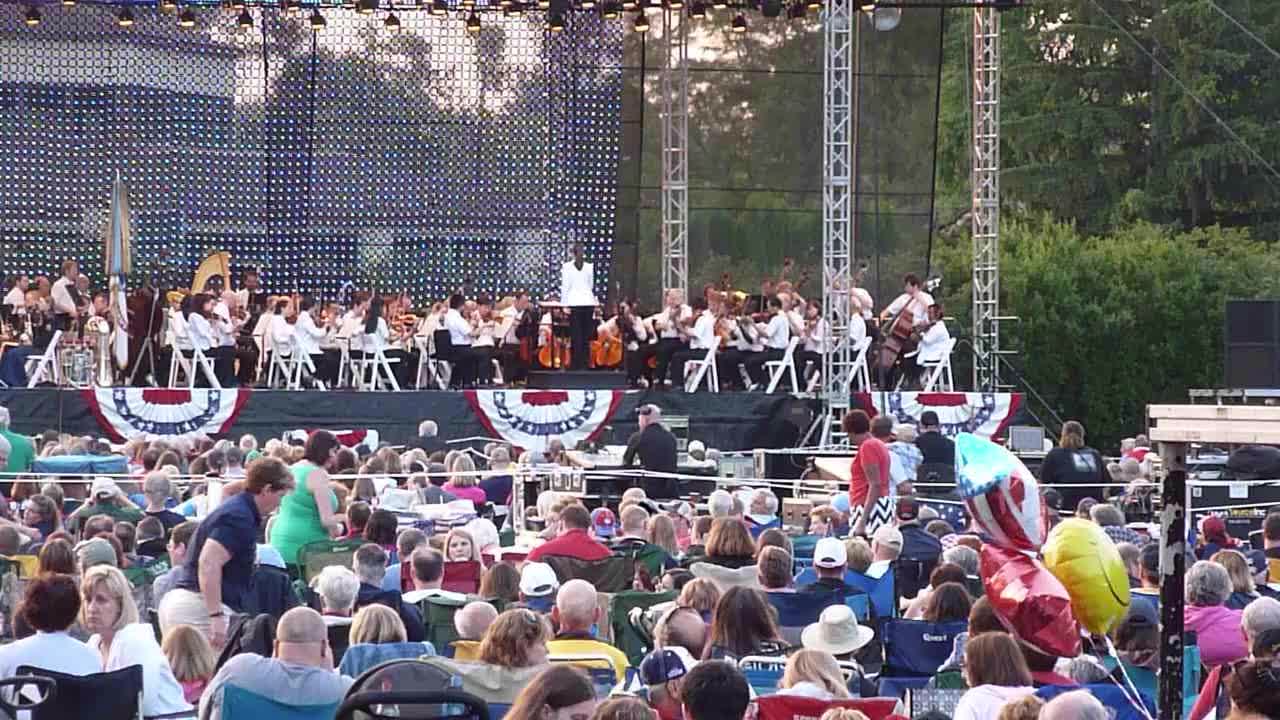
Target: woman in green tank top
x,y
309,512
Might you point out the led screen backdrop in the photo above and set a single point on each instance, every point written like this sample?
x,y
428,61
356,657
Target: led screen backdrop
x,y
418,160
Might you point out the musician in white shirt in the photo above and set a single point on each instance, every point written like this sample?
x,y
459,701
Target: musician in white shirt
x,y
934,339
817,338
64,296
669,326
377,336
519,326
634,334
15,301
577,292
461,355
308,337
200,333
227,323
701,338
484,329
776,336
913,299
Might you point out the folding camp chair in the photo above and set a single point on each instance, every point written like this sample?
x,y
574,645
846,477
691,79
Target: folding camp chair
x,y
462,577
115,695
437,613
610,575
363,656
25,692
316,556
603,674
241,704
793,707
880,589
45,366
763,673
411,681
913,652
786,365
626,636
1112,697
798,610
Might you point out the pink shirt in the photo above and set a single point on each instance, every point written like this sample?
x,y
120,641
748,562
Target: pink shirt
x,y
473,493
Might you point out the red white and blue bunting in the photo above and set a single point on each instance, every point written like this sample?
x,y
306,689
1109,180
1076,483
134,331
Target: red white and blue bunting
x,y
125,413
987,415
529,419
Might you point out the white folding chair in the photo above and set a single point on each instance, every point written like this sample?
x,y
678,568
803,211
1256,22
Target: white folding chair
x,y
786,364
179,366
437,371
940,370
201,363
859,375
45,366
281,360
696,370
377,364
300,361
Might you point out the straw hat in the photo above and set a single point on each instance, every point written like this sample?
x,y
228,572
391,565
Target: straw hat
x,y
837,632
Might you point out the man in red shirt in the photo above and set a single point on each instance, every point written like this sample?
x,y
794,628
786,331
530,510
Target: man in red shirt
x,y
573,541
869,477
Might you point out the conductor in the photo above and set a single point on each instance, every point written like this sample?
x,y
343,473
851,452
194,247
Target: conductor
x,y
576,292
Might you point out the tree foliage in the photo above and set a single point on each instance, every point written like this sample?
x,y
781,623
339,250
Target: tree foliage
x,y
1109,323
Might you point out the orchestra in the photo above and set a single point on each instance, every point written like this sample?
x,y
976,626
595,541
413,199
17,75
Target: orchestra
x,y
484,343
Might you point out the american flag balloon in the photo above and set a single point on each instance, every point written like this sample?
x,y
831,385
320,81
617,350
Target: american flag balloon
x,y
1002,496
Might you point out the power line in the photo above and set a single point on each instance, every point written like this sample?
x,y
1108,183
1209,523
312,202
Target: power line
x,y
1244,29
1275,174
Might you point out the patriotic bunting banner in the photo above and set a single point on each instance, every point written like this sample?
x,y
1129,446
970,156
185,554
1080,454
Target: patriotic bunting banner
x,y
529,419
986,415
127,413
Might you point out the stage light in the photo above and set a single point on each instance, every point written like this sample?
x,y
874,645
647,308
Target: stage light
x,y
885,19
544,4
815,5
439,7
473,23
68,3
719,4
32,18
642,23
867,6
675,4
366,7
698,10
629,5
391,22
588,4
167,6
611,11
317,20
244,20
125,18
740,24
238,5
187,18
557,22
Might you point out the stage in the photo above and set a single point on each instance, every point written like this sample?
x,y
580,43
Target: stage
x,y
525,418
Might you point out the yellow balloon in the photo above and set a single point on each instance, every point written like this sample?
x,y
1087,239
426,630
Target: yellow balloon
x,y
1086,562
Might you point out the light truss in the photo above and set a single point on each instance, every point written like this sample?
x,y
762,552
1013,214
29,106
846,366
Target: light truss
x,y
985,184
675,151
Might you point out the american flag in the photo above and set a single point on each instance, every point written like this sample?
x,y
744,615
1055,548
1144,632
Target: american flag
x,y
952,511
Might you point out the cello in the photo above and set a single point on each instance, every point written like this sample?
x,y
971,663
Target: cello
x,y
897,336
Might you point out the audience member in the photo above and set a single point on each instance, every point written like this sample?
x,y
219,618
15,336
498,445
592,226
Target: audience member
x,y
935,448
427,571
158,491
943,573
538,586
96,551
576,611
1243,590
459,546
299,672
681,627
743,624
501,582
702,595
773,569
813,674
50,605
1075,705
56,556
218,573
949,602
886,546
1255,690
120,639
382,530
474,619
409,540
773,537
561,692
996,673
517,638
357,518
1207,589
623,708
370,566
1026,707
714,690
1259,621
830,559
729,544
179,537
858,552
573,541
191,659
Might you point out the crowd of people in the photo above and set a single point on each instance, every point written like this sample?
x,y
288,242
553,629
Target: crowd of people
x,y
192,568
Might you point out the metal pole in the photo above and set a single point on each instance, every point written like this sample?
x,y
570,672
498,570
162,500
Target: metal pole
x,y
985,181
838,181
1174,512
675,152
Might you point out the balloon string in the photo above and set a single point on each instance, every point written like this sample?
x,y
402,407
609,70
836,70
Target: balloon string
x,y
1128,687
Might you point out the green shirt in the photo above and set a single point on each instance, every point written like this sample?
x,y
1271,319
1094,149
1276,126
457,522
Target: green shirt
x,y
117,513
22,452
298,522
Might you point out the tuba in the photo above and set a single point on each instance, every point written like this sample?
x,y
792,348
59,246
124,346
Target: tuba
x,y
217,264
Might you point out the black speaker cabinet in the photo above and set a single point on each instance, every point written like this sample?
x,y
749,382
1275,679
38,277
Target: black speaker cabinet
x,y
1252,338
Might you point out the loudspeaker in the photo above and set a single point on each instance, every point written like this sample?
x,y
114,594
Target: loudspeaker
x,y
1252,337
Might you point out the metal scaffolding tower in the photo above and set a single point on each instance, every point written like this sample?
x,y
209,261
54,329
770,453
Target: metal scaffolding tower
x,y
838,140
985,181
675,152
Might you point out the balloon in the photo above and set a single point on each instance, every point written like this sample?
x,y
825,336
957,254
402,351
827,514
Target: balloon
x,y
1081,555
1030,600
1002,496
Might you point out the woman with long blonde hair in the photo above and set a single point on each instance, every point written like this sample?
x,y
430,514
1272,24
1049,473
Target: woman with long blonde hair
x,y
814,674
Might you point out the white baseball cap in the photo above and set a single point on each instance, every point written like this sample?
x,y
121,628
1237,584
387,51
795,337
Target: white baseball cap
x,y
830,553
538,580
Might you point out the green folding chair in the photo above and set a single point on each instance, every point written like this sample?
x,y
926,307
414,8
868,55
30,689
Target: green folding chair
x,y
625,636
316,556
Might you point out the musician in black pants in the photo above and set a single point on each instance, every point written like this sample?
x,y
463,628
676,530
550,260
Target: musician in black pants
x,y
577,292
776,335
669,325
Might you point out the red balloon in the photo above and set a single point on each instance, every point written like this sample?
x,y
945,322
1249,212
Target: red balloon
x,y
1030,600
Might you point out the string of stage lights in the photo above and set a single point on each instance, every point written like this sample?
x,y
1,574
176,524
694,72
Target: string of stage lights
x,y
556,10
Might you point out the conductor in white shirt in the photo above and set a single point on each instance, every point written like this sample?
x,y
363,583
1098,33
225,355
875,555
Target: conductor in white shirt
x,y
576,291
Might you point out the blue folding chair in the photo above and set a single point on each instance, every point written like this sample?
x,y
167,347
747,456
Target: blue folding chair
x,y
880,589
915,648
763,673
1112,697
497,711
809,576
797,610
241,704
860,605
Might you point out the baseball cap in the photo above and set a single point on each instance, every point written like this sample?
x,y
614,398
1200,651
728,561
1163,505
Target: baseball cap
x,y
830,553
538,580
888,535
103,487
96,551
604,522
666,664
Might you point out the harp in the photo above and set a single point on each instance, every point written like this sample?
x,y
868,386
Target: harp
x,y
216,265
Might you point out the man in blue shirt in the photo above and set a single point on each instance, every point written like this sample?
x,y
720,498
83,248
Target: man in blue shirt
x,y
218,573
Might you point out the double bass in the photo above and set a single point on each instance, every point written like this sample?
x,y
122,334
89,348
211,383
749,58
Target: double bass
x,y
898,334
